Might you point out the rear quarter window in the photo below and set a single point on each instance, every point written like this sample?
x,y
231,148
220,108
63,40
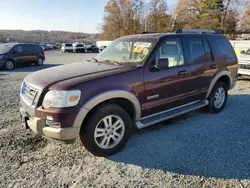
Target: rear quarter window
x,y
224,47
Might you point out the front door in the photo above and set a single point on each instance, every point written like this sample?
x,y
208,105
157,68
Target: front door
x,y
19,55
168,88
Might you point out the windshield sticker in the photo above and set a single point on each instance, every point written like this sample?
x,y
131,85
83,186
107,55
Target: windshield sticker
x,y
138,49
144,44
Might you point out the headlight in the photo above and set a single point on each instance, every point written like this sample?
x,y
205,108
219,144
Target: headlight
x,y
61,99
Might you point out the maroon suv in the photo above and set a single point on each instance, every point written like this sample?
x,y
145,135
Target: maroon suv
x,y
135,82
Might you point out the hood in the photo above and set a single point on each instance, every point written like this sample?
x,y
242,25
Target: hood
x,y
86,69
244,57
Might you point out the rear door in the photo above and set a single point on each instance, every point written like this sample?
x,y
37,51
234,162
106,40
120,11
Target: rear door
x,y
201,66
30,52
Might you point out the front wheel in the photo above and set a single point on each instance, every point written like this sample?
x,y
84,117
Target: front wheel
x,y
9,65
218,97
107,130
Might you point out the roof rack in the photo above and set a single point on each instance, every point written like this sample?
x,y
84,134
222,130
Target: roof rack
x,y
151,32
200,31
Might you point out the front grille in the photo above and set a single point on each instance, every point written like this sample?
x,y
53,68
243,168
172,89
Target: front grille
x,y
28,93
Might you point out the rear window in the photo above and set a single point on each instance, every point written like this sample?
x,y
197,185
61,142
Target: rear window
x,y
225,48
68,45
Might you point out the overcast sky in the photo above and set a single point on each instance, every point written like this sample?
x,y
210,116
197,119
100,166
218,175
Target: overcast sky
x,y
65,15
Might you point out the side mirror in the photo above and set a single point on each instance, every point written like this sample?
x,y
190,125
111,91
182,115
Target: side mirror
x,y
162,63
242,51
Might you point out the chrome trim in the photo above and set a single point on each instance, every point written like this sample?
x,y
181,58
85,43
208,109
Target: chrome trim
x,y
175,108
153,97
140,125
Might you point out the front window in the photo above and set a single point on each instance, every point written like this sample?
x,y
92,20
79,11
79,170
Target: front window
x,y
128,50
4,48
68,45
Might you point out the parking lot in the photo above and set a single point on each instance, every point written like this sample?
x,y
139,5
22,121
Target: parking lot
x,y
193,150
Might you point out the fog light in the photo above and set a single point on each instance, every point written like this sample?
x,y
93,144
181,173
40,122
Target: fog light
x,y
52,123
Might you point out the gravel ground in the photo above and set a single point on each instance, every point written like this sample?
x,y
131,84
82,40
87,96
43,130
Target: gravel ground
x,y
194,150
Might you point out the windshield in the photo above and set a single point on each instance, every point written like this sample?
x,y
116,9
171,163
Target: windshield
x,y
5,48
248,52
128,50
79,45
68,45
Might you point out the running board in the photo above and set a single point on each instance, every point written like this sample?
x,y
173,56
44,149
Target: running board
x,y
158,117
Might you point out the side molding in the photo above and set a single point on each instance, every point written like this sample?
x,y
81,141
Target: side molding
x,y
104,97
216,78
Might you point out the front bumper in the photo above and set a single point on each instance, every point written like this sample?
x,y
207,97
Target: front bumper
x,y
244,71
38,125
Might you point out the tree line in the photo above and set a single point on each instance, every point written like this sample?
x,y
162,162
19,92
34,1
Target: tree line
x,y
46,36
126,17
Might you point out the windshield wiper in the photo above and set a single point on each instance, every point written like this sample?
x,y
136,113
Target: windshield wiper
x,y
113,62
95,59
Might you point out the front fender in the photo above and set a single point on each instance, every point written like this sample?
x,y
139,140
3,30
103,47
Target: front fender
x,y
104,97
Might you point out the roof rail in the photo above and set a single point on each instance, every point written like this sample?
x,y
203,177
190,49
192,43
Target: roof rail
x,y
151,32
200,31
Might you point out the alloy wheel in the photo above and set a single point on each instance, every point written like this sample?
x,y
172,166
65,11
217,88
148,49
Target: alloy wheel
x,y
109,132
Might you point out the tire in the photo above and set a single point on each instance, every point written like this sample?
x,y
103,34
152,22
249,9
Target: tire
x,y
216,107
9,65
39,62
94,143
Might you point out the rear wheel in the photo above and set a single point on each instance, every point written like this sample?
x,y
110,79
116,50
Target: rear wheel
x,y
39,61
9,65
218,97
107,130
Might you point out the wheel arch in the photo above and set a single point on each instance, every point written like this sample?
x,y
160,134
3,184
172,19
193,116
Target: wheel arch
x,y
224,76
124,99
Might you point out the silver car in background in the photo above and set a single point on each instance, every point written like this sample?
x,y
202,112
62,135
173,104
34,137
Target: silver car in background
x,y
244,63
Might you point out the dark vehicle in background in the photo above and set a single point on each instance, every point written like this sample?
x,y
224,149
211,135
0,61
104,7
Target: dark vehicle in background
x,y
102,48
14,54
92,48
78,48
44,47
137,81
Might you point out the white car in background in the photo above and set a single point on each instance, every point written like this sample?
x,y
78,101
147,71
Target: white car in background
x,y
244,63
67,47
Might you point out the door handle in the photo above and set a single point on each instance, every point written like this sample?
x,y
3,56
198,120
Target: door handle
x,y
214,66
183,72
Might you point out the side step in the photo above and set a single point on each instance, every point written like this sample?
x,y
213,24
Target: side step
x,y
161,116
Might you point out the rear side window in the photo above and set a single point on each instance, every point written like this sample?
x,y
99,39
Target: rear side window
x,y
28,48
196,50
224,46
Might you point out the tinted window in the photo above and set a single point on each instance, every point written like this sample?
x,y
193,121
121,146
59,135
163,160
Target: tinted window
x,y
196,50
225,47
208,50
68,45
173,50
